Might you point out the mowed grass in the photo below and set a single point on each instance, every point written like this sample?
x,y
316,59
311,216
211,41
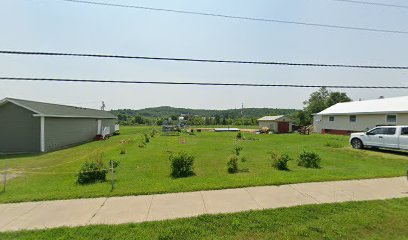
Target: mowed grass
x,y
147,170
385,219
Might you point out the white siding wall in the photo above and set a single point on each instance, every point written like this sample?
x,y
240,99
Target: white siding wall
x,y
363,122
317,123
272,125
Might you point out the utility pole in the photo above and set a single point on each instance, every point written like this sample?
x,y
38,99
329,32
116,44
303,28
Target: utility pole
x,y
242,114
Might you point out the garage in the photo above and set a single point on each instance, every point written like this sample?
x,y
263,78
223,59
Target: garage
x,y
276,124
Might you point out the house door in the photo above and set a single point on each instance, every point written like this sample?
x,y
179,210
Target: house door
x,y
283,127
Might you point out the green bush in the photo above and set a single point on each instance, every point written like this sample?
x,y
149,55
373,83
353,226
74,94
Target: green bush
x,y
153,133
182,164
122,149
243,159
239,135
92,171
280,162
146,138
232,164
309,160
237,150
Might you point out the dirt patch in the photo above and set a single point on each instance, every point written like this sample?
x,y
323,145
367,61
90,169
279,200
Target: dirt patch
x,y
9,176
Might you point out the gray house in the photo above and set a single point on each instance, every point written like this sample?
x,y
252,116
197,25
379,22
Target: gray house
x,y
29,127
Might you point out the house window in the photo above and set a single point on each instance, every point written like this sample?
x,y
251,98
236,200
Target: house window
x,y
391,118
353,118
331,118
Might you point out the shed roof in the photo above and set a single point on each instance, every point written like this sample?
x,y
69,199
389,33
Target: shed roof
x,y
57,110
386,105
271,118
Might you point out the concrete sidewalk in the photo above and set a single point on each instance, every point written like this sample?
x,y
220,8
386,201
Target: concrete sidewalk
x,y
116,210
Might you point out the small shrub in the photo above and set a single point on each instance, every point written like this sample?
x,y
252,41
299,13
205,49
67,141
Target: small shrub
x,y
280,162
146,138
239,135
181,164
153,133
92,171
232,164
237,150
243,159
309,160
122,149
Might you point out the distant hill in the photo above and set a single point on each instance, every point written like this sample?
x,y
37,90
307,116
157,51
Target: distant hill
x,y
166,111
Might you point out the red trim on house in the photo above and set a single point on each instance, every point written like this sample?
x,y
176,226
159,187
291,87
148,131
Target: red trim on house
x,y
336,131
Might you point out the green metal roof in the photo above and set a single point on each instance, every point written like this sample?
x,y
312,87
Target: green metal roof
x,y
57,110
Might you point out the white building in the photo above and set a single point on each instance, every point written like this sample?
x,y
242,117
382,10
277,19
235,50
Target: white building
x,y
277,124
344,118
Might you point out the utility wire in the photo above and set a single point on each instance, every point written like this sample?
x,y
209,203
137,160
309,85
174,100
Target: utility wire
x,y
203,60
195,83
240,17
373,3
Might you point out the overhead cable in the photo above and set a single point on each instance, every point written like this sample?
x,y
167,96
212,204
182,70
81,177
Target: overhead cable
x,y
202,60
268,20
198,83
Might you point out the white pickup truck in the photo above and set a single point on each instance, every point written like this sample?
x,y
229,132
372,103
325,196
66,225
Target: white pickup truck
x,y
395,137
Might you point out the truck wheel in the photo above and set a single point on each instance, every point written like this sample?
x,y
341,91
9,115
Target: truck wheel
x,y
357,143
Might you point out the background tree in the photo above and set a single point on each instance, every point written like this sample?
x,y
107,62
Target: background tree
x,y
337,97
317,102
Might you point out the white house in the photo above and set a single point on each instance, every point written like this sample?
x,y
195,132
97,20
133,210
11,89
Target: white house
x,y
344,118
277,124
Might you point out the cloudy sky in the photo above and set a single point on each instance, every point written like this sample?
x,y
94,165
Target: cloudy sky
x,y
56,25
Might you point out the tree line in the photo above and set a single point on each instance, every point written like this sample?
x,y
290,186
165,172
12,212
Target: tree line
x,y
159,115
317,102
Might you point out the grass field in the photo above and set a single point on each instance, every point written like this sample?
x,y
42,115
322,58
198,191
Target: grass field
x,y
354,220
147,170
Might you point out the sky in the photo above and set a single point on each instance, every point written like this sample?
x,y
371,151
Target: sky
x,y
55,25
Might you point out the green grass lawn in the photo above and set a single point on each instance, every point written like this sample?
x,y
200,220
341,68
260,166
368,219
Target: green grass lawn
x,y
147,170
385,219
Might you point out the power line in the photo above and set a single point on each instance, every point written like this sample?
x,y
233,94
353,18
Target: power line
x,y
196,83
203,60
373,3
239,17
